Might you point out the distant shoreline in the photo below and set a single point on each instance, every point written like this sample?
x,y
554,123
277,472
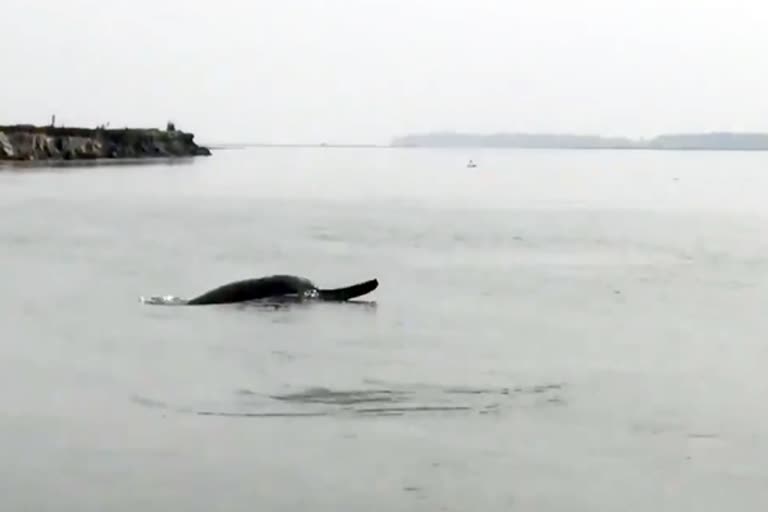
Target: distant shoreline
x,y
235,147
712,141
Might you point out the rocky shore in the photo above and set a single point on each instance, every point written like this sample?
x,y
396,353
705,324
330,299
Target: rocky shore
x,y
27,142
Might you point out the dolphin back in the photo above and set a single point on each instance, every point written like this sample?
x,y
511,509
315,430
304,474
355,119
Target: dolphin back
x,y
269,287
254,289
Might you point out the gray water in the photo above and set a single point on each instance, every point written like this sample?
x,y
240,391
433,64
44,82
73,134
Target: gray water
x,y
553,331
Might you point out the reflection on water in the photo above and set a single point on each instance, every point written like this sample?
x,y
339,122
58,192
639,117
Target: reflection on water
x,y
49,165
327,396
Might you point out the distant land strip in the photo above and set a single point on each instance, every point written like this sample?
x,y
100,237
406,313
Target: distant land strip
x,y
685,141
290,145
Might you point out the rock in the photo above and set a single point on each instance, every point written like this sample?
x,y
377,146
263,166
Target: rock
x,y
6,148
26,142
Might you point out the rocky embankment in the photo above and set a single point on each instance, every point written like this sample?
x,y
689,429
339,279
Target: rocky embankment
x,y
26,142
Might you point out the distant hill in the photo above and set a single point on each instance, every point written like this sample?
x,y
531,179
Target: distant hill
x,y
694,141
718,140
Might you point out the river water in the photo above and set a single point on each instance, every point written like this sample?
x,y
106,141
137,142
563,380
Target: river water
x,y
553,331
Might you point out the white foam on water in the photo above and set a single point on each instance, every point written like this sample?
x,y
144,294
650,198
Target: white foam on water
x,y
163,300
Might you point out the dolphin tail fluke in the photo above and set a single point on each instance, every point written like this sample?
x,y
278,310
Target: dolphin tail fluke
x,y
350,292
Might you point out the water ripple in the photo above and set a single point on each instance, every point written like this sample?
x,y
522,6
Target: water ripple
x,y
382,401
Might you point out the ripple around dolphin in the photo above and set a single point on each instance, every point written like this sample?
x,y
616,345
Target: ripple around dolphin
x,y
391,400
284,303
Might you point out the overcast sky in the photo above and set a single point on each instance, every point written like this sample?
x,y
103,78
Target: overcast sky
x,y
366,70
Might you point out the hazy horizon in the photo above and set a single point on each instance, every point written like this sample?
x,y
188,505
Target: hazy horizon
x,y
304,71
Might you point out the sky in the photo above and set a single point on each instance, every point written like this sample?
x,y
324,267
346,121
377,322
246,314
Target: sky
x,y
363,71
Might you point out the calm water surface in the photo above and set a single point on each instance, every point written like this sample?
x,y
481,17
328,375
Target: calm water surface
x,y
553,331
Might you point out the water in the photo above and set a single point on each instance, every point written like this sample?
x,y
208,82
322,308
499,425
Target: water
x,y
553,330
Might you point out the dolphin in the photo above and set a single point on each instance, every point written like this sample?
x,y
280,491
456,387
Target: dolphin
x,y
269,287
